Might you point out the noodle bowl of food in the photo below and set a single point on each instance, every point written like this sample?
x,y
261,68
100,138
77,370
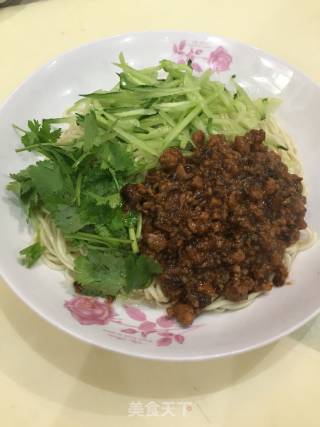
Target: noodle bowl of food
x,y
168,180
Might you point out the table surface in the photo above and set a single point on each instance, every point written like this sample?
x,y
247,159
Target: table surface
x,y
50,379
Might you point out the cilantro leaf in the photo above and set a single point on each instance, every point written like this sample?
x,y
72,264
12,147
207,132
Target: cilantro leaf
x,y
100,273
23,187
113,200
15,187
140,270
21,184
114,155
53,184
31,254
106,273
91,130
68,218
47,178
115,221
94,135
98,181
40,133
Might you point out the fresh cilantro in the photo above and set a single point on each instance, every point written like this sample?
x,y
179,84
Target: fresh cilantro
x,y
131,219
140,270
115,221
79,184
47,178
113,200
106,273
23,187
98,181
101,273
91,131
40,134
68,218
21,184
114,155
31,254
15,187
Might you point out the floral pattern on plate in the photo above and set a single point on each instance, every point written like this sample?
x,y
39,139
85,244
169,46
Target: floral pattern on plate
x,y
161,331
202,56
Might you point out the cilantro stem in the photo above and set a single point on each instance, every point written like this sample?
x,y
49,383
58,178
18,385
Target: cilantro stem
x,y
139,226
103,248
78,189
112,173
94,238
81,158
19,128
133,239
32,146
95,247
57,120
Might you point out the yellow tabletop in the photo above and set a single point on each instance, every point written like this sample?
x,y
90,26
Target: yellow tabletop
x,y
48,378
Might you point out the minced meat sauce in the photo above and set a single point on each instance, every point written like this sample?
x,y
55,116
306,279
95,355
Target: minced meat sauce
x,y
218,221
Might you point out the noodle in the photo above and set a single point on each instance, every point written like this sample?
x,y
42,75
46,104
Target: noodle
x,y
57,255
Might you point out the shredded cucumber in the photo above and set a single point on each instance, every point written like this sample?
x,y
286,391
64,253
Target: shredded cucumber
x,y
153,108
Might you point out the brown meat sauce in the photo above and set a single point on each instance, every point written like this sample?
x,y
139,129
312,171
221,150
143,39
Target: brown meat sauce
x,y
218,221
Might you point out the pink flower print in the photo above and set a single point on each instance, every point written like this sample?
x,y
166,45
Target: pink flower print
x,y
219,59
89,310
190,55
200,56
179,338
196,67
135,313
165,322
179,48
162,342
147,326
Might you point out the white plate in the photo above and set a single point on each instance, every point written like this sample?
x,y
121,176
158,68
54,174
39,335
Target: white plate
x,y
143,331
